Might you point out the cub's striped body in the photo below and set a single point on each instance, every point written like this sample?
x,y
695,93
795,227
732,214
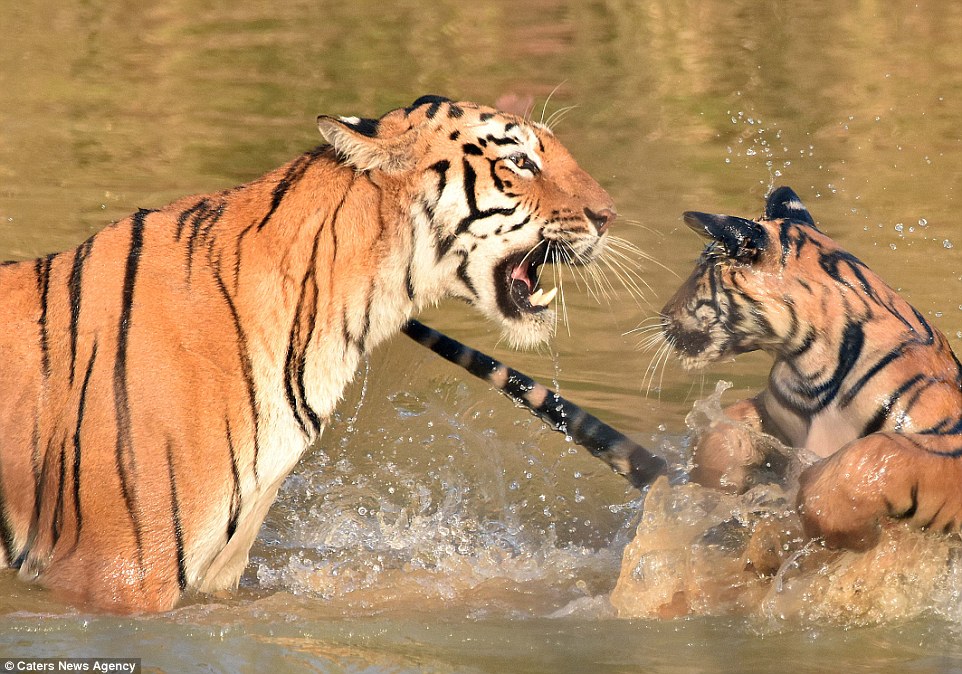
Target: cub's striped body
x,y
159,382
860,377
625,456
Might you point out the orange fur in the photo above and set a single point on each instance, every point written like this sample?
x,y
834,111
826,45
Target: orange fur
x,y
160,381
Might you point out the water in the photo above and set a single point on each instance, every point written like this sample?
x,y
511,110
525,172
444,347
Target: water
x,y
437,527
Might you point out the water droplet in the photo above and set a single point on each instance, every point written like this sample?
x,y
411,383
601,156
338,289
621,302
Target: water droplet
x,y
947,244
923,222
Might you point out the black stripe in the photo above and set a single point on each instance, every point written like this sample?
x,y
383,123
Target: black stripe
x,y
186,214
821,395
57,519
498,183
239,245
205,216
126,461
876,422
501,141
37,565
470,183
463,275
235,497
297,343
42,271
409,270
81,412
441,168
75,293
247,367
294,173
175,515
786,240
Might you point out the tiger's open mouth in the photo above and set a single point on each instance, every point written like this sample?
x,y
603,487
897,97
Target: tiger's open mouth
x,y
516,280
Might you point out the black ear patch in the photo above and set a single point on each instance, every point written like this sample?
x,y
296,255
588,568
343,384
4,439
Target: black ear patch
x,y
784,204
742,239
365,127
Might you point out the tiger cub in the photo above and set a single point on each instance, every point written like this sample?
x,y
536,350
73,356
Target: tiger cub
x,y
159,382
860,378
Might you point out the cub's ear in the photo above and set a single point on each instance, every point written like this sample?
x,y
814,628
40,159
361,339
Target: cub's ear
x,y
742,239
784,204
361,145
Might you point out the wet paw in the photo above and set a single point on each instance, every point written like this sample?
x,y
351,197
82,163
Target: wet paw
x,y
835,506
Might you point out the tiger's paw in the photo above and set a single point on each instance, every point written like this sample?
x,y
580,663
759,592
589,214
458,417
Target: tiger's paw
x,y
724,457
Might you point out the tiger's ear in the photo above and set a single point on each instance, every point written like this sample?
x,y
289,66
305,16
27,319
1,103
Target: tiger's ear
x,y
784,204
742,239
360,144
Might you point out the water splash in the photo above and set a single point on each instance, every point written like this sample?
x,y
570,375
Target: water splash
x,y
419,521
699,552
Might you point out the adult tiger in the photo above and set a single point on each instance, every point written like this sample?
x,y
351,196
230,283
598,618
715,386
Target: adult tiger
x,y
860,377
160,381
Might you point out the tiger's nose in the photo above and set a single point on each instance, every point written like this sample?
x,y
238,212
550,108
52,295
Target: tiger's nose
x,y
601,219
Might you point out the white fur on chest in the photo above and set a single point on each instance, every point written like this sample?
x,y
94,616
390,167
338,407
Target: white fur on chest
x,y
830,430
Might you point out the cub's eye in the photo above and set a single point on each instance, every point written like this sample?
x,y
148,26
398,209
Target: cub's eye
x,y
524,162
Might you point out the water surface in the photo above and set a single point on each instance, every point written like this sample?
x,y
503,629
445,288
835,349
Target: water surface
x,y
436,527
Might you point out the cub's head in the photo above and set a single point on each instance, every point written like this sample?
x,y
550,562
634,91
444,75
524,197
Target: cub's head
x,y
492,197
760,284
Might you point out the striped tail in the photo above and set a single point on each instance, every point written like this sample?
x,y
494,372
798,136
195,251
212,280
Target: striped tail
x,y
626,457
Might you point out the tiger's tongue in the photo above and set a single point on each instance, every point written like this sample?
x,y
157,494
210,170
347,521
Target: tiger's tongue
x,y
538,298
520,273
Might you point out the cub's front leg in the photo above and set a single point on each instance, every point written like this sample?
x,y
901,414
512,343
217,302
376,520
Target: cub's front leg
x,y
845,498
727,455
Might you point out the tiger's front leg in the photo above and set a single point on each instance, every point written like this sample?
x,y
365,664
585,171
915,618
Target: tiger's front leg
x,y
726,455
845,498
